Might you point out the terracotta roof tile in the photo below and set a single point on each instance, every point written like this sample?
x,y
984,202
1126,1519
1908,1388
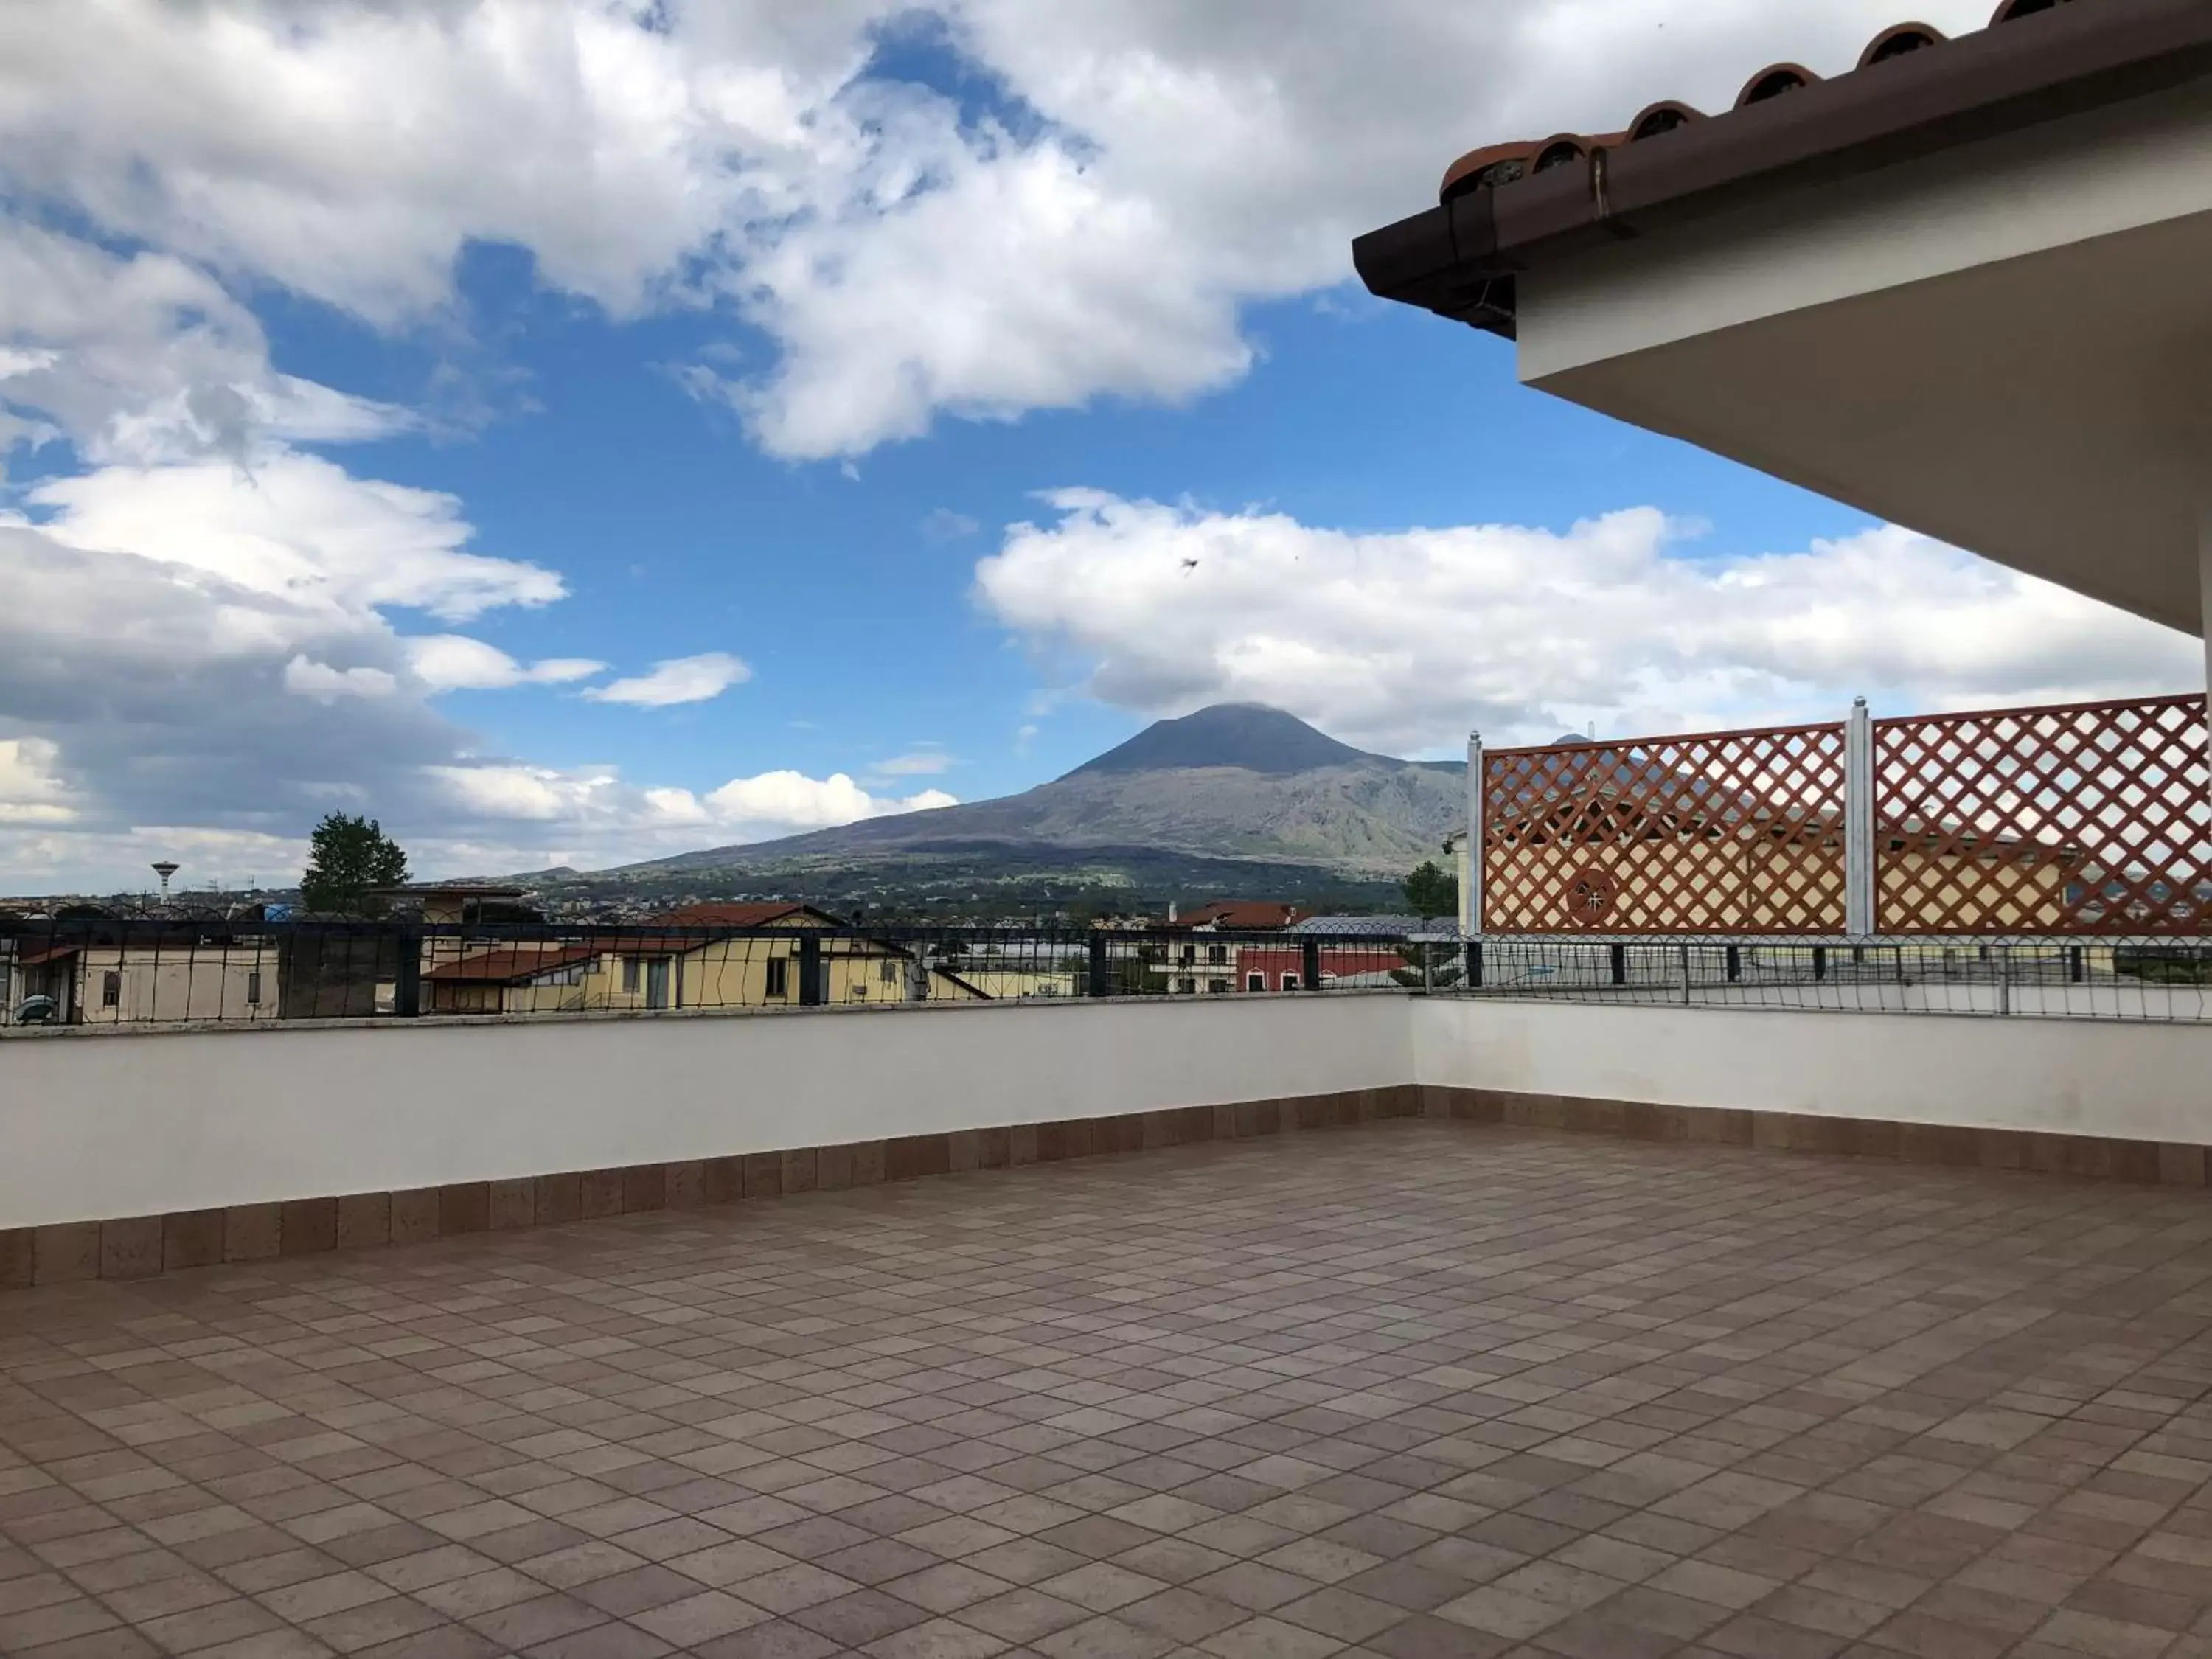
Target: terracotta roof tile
x,y
1508,209
1500,164
511,967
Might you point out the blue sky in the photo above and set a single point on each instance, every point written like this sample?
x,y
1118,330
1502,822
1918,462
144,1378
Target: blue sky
x,y
385,391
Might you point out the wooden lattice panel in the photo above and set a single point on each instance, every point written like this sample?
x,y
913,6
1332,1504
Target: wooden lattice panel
x,y
2085,819
1738,832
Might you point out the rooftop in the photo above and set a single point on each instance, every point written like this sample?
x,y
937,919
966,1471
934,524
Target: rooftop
x,y
1405,1390
1510,205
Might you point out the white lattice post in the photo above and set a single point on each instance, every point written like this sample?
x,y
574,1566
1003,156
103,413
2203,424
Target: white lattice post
x,y
2204,597
1858,822
1470,886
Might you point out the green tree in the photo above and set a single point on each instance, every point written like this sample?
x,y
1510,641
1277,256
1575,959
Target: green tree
x,y
1432,891
348,859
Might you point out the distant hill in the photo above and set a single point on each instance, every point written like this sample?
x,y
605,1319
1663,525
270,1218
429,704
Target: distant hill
x,y
1234,782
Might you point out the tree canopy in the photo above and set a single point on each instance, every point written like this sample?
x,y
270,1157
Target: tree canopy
x,y
348,858
1432,891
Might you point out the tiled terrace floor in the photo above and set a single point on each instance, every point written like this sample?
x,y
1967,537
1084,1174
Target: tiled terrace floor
x,y
1414,1390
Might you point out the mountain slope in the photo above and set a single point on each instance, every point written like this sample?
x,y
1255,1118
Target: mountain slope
x,y
1236,781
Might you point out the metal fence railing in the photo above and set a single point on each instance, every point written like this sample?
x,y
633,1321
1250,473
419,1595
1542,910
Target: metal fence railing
x,y
125,972
119,972
2154,979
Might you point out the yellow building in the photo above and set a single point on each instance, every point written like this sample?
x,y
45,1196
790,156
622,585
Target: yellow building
x,y
1012,983
96,984
664,963
526,978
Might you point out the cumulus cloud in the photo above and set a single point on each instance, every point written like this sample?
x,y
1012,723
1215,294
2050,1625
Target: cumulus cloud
x,y
30,790
319,680
1147,168
296,525
1403,639
454,662
144,358
794,799
610,820
677,680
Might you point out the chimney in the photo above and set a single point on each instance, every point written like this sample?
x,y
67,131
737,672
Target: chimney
x,y
1171,912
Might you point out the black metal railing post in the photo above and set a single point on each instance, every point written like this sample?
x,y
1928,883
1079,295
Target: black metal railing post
x,y
1819,963
406,971
1101,974
1474,965
1619,964
812,993
1733,958
1310,965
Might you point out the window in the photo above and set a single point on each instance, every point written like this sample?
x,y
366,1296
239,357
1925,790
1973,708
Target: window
x,y
1189,953
1217,953
887,970
1255,981
1186,987
1217,988
629,976
111,990
856,993
1289,982
253,989
779,977
564,977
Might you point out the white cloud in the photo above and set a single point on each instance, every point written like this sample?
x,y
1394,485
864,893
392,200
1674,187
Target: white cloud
x,y
30,791
606,821
298,527
677,680
1159,164
1401,640
927,761
942,524
146,359
794,800
454,662
310,678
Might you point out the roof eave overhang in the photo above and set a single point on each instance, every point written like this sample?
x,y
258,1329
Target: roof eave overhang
x,y
1462,259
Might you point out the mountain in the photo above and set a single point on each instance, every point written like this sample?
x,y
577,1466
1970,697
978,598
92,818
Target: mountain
x,y
1248,736
1237,781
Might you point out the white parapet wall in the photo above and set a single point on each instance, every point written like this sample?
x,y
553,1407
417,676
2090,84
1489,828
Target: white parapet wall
x,y
104,1124
97,1124
2128,1080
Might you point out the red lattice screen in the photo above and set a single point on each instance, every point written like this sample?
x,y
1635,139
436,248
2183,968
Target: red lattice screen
x,y
2091,819
1737,832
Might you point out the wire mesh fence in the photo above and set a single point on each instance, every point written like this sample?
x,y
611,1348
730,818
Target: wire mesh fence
x,y
112,973
117,972
2152,979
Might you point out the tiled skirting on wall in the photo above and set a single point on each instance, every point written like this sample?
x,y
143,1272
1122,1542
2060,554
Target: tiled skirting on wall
x,y
139,1247
2090,1156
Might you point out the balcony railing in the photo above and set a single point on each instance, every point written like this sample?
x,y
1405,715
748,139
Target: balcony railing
x,y
117,974
125,972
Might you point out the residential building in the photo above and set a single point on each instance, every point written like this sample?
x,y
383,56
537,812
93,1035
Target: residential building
x,y
518,980
90,983
1201,966
679,960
